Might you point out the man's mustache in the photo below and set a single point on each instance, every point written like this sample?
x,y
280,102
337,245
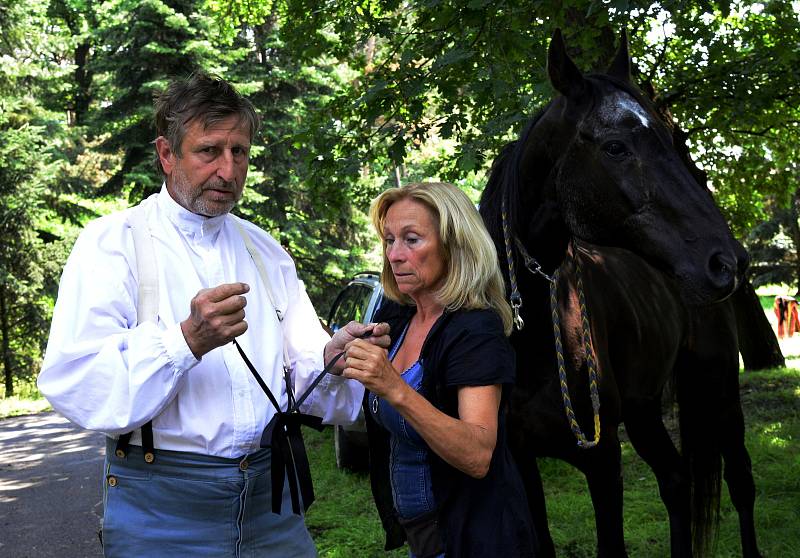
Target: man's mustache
x,y
222,185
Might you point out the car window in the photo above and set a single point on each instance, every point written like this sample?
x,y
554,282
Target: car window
x,y
351,305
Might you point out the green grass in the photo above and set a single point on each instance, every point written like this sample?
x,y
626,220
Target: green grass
x,y
343,519
25,401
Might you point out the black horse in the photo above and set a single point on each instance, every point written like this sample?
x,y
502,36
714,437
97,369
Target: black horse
x,y
595,181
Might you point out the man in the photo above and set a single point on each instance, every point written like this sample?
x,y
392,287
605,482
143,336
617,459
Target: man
x,y
205,490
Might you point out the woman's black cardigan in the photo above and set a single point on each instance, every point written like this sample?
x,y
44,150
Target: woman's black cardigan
x,y
472,342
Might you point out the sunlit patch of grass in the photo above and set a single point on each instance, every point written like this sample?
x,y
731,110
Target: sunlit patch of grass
x,y
772,433
25,401
15,406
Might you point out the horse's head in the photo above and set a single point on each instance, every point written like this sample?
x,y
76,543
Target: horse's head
x,y
602,156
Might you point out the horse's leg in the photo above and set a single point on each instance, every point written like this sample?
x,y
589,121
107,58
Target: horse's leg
x,y
721,366
536,502
738,469
652,442
602,466
532,480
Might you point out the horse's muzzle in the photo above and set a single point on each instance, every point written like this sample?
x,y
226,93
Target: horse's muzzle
x,y
725,270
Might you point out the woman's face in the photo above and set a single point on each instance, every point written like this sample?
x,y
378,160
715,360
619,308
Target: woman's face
x,y
412,246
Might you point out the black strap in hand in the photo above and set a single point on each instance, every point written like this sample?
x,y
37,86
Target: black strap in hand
x,y
283,435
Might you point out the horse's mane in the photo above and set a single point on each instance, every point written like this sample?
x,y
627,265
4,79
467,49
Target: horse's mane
x,y
504,182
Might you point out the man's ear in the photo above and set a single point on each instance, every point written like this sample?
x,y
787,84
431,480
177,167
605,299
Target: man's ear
x,y
165,154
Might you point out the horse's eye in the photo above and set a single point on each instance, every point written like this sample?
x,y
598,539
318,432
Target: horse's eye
x,y
616,149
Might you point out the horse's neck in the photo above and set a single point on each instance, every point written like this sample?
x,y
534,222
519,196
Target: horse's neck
x,y
547,236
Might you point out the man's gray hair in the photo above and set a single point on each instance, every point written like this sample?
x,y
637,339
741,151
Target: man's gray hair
x,y
206,97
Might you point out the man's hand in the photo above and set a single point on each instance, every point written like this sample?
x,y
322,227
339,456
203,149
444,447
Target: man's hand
x,y
377,334
216,317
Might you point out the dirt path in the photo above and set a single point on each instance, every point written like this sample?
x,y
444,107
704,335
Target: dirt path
x,y
50,488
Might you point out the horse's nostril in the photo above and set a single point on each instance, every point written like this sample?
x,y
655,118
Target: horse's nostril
x,y
722,270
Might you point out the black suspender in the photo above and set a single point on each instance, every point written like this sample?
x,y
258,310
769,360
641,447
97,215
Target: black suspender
x,y
147,443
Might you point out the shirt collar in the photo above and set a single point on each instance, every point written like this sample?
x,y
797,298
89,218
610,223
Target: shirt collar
x,y
196,227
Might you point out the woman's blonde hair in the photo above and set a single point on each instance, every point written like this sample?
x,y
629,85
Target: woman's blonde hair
x,y
472,274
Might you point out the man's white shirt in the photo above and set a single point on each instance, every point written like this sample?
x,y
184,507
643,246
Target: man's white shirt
x,y
105,371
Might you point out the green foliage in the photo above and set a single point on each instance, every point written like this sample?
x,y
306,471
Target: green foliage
x,y
730,77
308,211
30,256
360,95
462,70
474,71
144,45
25,401
25,271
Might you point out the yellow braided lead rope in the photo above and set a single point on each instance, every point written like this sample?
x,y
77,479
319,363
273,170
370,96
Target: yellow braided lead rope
x,y
591,365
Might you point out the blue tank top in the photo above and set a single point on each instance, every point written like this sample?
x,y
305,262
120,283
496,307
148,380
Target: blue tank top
x,y
409,471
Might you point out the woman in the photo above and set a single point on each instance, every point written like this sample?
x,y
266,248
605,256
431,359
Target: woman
x,y
441,472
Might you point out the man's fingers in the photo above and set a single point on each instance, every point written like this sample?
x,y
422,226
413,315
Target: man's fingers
x,y
231,305
225,291
237,329
355,329
379,335
231,319
363,331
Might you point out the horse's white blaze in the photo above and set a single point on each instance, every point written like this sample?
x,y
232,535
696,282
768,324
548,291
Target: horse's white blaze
x,y
619,105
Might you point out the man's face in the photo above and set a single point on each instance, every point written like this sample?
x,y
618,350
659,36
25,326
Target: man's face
x,y
208,177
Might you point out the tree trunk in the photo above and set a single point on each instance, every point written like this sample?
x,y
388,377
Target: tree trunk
x,y
5,344
794,233
757,342
83,82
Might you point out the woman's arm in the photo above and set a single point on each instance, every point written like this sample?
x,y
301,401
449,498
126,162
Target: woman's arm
x,y
466,443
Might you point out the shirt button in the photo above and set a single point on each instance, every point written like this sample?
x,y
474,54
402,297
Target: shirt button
x,y
112,481
243,465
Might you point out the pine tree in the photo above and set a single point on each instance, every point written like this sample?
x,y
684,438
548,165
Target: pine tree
x,y
144,45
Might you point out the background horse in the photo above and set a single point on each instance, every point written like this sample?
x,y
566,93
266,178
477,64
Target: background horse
x,y
598,167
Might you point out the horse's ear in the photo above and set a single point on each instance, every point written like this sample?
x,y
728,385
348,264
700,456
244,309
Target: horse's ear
x,y
564,74
620,67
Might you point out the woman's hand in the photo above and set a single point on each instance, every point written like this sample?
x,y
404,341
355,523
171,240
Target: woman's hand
x,y
370,365
377,335
467,442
